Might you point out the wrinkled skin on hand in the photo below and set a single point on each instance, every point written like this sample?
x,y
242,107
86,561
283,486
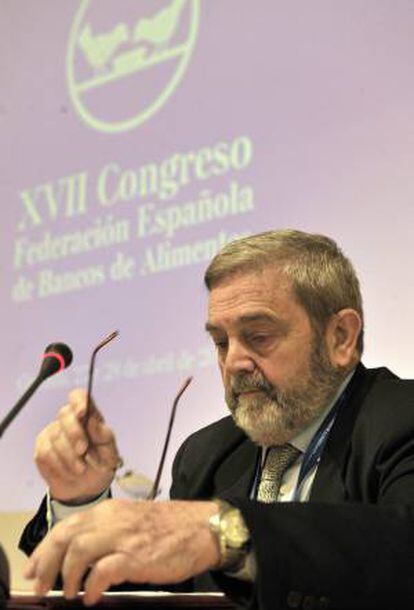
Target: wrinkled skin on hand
x,y
123,540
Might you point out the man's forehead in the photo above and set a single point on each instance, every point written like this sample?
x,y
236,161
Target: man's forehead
x,y
263,286
250,297
254,317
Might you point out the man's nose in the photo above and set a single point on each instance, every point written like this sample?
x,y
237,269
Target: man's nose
x,y
238,358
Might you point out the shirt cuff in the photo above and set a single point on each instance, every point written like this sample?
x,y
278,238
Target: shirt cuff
x,y
56,511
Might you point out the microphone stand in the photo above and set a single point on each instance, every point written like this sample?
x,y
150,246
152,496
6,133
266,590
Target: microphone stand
x,y
4,564
20,404
4,578
56,357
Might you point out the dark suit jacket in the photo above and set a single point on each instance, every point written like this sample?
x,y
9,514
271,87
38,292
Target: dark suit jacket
x,y
352,544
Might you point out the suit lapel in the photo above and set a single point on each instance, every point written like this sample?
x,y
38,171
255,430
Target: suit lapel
x,y
329,485
235,475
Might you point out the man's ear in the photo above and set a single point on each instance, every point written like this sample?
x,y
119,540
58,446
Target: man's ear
x,y
342,332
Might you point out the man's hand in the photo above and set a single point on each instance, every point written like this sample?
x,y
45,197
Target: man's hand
x,y
122,540
76,462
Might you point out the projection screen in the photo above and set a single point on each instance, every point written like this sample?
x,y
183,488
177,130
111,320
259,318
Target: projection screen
x,y
138,137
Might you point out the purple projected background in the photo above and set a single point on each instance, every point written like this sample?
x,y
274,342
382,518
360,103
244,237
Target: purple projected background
x,y
138,137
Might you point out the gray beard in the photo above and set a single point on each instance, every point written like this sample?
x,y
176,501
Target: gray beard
x,y
272,417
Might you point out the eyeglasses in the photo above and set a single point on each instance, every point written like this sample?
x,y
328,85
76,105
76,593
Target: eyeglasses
x,y
155,489
130,474
100,345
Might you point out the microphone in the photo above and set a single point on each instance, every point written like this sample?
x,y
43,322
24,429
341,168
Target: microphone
x,y
57,356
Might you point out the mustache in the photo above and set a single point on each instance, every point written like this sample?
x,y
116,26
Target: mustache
x,y
249,382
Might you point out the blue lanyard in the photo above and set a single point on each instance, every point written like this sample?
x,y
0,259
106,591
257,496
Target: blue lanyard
x,y
314,451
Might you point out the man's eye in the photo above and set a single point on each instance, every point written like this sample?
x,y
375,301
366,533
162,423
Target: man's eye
x,y
220,344
258,339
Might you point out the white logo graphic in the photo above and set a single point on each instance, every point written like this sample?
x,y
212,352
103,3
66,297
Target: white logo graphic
x,y
121,72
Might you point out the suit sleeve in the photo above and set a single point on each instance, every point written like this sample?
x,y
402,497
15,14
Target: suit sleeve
x,y
35,530
339,556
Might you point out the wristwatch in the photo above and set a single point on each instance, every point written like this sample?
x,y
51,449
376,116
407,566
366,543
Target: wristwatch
x,y
232,535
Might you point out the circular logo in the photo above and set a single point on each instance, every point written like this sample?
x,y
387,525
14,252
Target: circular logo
x,y
121,69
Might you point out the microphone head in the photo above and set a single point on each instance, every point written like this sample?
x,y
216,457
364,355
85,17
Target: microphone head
x,y
57,356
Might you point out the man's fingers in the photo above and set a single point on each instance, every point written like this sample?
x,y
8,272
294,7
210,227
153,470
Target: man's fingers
x,y
97,439
44,564
107,571
55,453
77,398
103,445
99,432
70,420
67,455
29,571
82,551
49,461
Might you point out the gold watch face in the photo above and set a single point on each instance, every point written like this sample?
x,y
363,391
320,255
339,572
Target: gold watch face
x,y
235,531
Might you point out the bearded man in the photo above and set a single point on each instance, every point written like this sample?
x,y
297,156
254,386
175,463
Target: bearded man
x,y
302,498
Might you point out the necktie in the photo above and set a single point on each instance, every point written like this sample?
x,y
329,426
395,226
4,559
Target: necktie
x,y
278,460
